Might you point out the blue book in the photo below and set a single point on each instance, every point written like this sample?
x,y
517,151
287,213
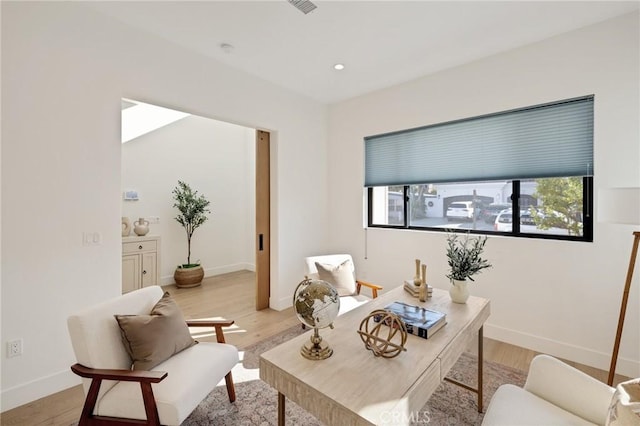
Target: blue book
x,y
419,321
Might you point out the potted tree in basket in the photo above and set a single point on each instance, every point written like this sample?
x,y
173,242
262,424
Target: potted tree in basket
x,y
464,256
193,213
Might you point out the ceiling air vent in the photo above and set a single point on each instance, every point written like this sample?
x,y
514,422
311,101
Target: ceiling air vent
x,y
304,6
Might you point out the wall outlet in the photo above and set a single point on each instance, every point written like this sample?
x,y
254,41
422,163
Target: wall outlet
x,y
14,348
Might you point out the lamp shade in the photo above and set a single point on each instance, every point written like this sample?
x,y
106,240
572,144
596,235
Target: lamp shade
x,y
619,205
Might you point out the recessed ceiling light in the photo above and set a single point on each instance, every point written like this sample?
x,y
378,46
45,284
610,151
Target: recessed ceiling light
x,y
338,67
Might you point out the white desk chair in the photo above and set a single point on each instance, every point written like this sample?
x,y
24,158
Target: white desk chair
x,y
339,270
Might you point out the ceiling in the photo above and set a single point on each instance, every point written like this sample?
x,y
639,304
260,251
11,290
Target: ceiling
x,y
381,43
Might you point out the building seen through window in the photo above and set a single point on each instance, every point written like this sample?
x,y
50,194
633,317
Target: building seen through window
x,y
549,206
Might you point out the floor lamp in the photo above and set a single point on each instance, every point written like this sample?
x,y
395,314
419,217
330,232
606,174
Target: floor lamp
x,y
621,205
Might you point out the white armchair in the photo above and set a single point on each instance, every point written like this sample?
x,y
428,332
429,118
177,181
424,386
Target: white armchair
x,y
104,338
554,394
339,270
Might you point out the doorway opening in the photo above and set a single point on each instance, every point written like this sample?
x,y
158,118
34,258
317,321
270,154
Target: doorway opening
x,y
220,160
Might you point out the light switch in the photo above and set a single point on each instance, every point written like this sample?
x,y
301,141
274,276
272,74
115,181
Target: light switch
x,y
91,238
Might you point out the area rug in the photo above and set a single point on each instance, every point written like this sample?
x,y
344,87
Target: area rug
x,y
257,402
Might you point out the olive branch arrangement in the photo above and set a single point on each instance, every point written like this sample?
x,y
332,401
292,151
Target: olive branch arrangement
x,y
465,256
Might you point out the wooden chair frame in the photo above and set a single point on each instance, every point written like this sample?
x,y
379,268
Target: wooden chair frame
x,y
374,288
145,378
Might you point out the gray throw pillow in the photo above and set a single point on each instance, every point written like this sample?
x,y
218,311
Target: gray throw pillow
x,y
154,338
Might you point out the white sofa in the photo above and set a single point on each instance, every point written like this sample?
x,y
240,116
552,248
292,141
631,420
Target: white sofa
x,y
554,394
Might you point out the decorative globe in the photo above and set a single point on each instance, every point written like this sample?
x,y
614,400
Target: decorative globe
x,y
316,303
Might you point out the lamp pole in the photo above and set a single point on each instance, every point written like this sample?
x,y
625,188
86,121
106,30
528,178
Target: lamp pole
x,y
623,307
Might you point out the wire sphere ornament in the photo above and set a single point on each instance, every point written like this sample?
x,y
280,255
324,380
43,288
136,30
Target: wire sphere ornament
x,y
373,329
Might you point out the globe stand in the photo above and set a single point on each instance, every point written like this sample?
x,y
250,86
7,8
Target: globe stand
x,y
315,349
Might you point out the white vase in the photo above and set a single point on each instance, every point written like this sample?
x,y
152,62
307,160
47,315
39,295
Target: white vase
x,y
459,291
141,227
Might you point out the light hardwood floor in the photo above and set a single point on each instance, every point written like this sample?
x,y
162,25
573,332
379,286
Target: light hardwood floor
x,y
232,296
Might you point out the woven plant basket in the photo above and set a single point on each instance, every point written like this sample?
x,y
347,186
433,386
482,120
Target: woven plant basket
x,y
188,277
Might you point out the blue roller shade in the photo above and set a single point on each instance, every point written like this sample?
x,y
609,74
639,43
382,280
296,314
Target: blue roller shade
x,y
550,140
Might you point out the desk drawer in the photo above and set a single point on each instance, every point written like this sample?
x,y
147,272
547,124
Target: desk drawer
x,y
421,391
139,246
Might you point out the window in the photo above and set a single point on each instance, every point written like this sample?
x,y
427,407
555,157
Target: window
x,y
540,186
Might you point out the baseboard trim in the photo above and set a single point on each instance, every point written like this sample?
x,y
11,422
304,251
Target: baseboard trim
x,y
36,389
280,304
218,270
581,355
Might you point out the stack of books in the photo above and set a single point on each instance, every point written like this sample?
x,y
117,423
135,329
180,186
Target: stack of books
x,y
413,290
419,321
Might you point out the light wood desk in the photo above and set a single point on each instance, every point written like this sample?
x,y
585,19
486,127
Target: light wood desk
x,y
353,387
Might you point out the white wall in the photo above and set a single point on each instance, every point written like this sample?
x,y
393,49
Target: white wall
x,y
64,71
218,160
553,296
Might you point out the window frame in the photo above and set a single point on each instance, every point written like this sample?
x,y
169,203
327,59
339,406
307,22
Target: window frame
x,y
587,223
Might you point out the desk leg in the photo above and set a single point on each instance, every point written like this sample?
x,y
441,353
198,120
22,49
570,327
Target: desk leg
x,y
280,409
480,363
477,390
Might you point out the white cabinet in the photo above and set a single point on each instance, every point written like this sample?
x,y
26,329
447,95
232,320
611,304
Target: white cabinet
x,y
140,262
